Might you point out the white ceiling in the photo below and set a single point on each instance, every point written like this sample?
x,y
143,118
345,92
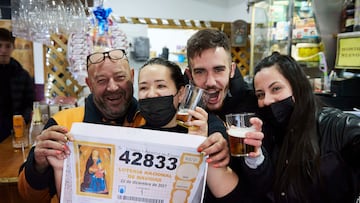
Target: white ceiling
x,y
223,3
214,10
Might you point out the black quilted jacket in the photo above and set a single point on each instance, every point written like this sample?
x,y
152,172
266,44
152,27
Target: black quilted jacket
x,y
22,91
19,98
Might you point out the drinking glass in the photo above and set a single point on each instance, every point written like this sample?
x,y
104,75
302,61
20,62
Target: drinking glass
x,y
237,126
194,96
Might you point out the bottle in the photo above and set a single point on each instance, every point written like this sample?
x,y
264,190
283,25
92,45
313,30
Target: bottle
x,y
36,123
357,16
347,21
19,127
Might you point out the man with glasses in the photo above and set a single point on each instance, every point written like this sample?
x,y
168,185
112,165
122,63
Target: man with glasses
x,y
111,102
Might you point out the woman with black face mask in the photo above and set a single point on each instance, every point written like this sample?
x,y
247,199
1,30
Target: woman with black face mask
x,y
315,149
161,88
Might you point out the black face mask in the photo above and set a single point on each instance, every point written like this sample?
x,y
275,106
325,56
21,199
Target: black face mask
x,y
278,113
157,111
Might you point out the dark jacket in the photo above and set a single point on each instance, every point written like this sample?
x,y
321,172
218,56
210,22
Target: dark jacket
x,y
45,182
339,141
241,98
340,155
252,182
21,96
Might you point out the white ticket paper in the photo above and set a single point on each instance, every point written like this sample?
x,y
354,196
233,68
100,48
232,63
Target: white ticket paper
x,y
121,164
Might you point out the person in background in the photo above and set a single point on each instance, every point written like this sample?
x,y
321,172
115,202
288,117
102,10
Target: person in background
x,y
16,86
111,102
161,88
315,149
210,67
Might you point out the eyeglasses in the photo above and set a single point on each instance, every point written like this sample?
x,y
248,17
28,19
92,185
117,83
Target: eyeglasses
x,y
99,57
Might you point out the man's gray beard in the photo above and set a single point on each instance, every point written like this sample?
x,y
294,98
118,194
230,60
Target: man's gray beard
x,y
107,113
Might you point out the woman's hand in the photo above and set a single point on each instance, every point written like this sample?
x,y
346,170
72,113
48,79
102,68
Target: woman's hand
x,y
199,124
255,138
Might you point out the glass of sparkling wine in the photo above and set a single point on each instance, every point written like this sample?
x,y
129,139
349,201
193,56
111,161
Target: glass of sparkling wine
x,y
194,96
237,126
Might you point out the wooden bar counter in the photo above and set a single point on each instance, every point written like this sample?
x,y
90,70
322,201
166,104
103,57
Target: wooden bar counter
x,y
10,162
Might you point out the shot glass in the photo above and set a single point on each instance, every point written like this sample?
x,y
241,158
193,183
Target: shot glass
x,y
237,126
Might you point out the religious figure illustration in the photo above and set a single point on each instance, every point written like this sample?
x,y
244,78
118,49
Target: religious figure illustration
x,y
94,175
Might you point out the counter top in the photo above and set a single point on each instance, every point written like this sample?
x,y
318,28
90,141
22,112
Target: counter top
x,y
11,160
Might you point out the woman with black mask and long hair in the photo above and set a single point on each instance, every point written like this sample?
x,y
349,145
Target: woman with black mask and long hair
x,y
161,88
315,149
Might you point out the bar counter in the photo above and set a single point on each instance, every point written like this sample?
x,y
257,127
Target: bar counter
x,y
10,162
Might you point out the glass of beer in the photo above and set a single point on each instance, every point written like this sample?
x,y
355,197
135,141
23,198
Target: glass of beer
x,y
237,126
194,96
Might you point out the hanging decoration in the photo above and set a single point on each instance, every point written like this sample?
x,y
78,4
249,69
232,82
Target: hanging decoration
x,y
38,20
101,37
102,17
103,34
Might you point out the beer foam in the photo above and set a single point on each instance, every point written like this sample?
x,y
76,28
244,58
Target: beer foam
x,y
239,132
183,112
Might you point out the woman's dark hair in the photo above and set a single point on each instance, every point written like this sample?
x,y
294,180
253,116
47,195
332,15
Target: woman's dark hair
x,y
175,70
297,165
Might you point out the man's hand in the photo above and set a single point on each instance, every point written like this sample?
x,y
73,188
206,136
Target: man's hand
x,y
217,148
51,147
